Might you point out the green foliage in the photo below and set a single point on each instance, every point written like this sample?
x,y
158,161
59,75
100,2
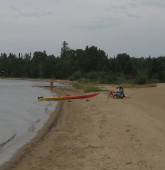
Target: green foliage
x,y
88,65
140,80
76,76
91,75
110,78
162,77
92,89
86,87
78,85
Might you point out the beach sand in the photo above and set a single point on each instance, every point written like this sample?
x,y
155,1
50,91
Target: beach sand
x,y
100,134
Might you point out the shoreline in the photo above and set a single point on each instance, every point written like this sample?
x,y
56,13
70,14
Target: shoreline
x,y
51,122
100,133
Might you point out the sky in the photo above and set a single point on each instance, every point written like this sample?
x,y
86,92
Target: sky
x,y
135,27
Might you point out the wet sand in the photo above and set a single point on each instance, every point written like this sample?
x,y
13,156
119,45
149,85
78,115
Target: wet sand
x,y
100,133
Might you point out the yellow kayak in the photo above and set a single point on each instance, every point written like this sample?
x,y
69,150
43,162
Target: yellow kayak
x,y
67,97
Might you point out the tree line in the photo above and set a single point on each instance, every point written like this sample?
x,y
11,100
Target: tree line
x,y
90,64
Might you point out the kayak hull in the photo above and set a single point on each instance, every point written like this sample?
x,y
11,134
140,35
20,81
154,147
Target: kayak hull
x,y
68,97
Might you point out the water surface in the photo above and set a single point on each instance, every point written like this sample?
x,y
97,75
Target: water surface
x,y
21,114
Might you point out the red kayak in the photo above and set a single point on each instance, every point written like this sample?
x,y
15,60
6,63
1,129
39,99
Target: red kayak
x,y
68,97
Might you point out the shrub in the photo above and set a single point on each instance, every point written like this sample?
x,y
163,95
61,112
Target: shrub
x,y
141,80
111,78
76,76
92,89
162,77
92,75
78,85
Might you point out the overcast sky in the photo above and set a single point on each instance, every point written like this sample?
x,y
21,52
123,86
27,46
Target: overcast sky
x,y
135,27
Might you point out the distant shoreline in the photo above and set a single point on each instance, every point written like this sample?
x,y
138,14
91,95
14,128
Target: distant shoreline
x,y
38,79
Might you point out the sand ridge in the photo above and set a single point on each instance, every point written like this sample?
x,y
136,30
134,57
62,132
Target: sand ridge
x,y
100,133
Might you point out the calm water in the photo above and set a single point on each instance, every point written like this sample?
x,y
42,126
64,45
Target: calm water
x,y
21,114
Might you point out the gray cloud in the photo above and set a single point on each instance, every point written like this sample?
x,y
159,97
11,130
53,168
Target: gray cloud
x,y
93,26
40,13
131,15
148,3
133,4
160,4
114,25
99,23
121,10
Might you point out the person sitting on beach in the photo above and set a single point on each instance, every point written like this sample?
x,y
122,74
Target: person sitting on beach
x,y
111,93
120,93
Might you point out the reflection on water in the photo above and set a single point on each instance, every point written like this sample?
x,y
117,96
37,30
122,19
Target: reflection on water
x,y
21,114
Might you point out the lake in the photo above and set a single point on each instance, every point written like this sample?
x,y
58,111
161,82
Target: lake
x,y
21,114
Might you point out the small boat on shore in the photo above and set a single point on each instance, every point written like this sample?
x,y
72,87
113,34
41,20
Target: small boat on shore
x,y
68,97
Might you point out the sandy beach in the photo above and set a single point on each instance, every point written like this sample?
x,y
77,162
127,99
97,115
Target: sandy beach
x,y
100,133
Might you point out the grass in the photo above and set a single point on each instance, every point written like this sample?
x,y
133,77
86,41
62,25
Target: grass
x,y
139,86
93,87
87,87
